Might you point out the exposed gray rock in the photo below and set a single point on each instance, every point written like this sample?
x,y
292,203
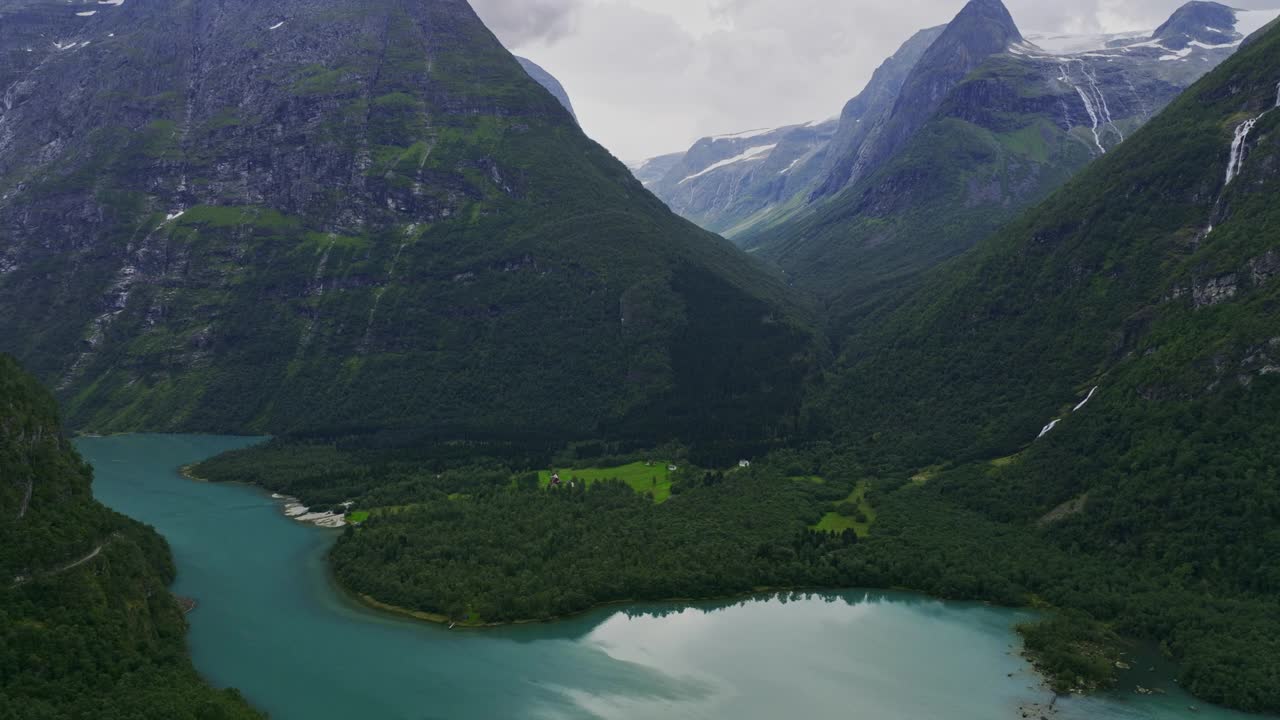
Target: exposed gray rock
x,y
1215,290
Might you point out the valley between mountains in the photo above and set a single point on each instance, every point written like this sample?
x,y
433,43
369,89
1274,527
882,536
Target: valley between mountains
x,y
1005,330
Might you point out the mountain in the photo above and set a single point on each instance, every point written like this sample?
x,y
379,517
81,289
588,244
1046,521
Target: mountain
x,y
983,28
980,132
1203,23
727,183
1103,376
89,628
864,113
311,217
548,81
722,182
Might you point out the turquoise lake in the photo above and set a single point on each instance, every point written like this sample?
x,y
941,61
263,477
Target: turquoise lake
x,y
271,623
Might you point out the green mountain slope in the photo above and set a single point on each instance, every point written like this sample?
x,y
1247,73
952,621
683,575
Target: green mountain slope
x,y
88,628
1151,278
318,217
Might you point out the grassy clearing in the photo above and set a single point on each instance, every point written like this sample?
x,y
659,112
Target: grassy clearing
x,y
1006,461
358,516
653,480
927,474
834,522
842,519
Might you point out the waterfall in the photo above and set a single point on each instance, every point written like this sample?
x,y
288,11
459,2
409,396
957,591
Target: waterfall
x,y
1086,400
1048,428
1238,148
1089,105
1100,97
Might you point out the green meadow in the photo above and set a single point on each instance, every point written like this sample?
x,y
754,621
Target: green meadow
x,y
654,480
853,513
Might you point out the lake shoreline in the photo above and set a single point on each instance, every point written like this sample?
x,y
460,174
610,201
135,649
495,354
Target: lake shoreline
x,y
1047,709
439,619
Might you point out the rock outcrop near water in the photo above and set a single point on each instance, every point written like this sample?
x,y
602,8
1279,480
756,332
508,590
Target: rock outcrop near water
x,y
324,216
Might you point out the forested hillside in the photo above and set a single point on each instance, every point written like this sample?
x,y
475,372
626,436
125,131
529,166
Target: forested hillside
x,y
1131,322
88,628
323,217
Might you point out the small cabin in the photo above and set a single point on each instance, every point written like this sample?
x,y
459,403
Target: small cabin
x,y
744,464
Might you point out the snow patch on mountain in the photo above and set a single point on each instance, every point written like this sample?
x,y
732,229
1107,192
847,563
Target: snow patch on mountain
x,y
750,155
1065,44
747,135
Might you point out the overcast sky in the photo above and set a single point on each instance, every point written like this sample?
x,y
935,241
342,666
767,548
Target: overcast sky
x,y
648,77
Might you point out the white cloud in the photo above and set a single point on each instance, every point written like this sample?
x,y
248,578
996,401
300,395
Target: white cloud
x,y
519,22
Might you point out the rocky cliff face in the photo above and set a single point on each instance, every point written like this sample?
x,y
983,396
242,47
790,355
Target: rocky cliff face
x,y
863,114
309,215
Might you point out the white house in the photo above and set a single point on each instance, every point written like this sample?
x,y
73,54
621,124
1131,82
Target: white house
x,y
744,463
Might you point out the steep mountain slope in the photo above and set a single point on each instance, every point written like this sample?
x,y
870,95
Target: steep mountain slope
x,y
87,625
1116,352
728,183
969,152
548,81
864,113
981,29
313,216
